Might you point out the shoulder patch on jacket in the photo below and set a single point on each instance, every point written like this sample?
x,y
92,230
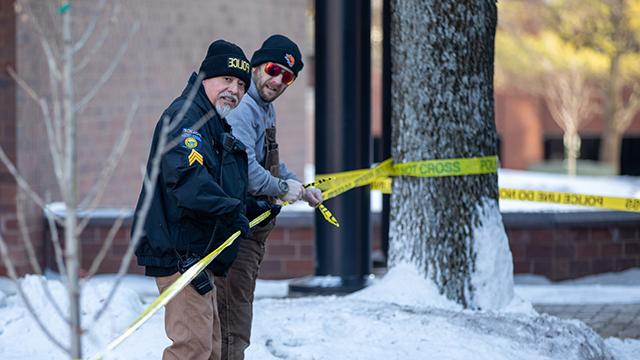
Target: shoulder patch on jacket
x,y
192,140
195,156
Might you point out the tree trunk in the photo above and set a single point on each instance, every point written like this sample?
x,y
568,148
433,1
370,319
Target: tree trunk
x,y
611,137
69,195
442,107
572,142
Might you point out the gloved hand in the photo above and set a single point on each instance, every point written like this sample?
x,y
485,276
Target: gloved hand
x,y
257,207
240,222
294,193
312,196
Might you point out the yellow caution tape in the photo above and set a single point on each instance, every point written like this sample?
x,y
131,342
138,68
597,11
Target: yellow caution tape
x,y
383,185
184,279
598,201
383,169
448,167
337,183
340,182
328,215
175,288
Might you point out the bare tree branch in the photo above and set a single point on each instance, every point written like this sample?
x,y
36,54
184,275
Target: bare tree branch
x,y
629,111
52,137
57,247
90,28
26,238
24,185
54,70
55,99
97,45
94,196
42,35
149,185
80,106
106,245
13,276
23,84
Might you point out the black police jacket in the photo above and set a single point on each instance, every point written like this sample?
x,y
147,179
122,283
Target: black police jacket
x,y
202,186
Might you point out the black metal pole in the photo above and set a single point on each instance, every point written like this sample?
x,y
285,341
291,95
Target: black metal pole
x,y
386,121
343,139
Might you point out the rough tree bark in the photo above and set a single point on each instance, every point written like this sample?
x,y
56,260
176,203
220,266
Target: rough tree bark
x,y
442,107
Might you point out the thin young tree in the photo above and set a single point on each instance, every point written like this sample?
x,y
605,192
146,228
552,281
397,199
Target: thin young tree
x,y
534,60
450,228
611,28
570,100
61,107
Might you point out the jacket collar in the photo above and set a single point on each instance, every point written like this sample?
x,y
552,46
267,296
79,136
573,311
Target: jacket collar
x,y
200,99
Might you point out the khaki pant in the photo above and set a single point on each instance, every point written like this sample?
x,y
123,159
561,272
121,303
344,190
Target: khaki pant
x,y
235,293
192,322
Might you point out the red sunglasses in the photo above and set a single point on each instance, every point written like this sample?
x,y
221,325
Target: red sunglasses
x,y
273,69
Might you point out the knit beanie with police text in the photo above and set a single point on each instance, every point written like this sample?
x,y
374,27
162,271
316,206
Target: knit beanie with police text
x,y
279,49
225,58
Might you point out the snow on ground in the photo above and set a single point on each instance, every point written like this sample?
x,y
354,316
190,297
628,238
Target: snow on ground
x,y
400,316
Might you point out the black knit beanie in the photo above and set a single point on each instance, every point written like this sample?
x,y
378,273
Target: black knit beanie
x,y
279,49
225,58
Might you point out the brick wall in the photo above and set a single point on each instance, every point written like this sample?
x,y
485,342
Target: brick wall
x,y
564,246
8,188
290,253
92,241
171,43
558,246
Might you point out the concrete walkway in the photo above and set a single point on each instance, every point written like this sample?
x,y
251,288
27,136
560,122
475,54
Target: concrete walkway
x,y
608,320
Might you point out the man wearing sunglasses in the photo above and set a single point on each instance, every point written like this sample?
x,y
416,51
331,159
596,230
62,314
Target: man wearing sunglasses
x,y
275,67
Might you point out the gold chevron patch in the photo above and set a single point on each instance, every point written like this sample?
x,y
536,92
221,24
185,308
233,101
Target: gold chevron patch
x,y
195,156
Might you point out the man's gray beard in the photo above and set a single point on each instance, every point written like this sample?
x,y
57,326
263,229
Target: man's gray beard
x,y
223,110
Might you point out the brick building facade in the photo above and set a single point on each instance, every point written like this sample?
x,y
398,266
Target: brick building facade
x,y
170,45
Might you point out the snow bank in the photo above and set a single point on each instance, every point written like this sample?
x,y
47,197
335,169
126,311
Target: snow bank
x,y
401,316
17,325
353,328
403,285
624,349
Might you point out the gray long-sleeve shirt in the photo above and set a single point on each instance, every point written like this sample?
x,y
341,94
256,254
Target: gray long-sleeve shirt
x,y
249,121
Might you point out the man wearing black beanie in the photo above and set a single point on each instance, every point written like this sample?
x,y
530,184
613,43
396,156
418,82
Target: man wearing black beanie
x,y
199,199
275,67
